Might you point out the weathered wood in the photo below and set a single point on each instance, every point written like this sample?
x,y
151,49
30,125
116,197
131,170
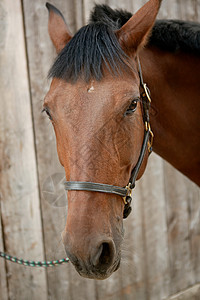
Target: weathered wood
x,y
197,9
176,193
194,227
182,196
109,288
155,229
169,9
133,263
3,279
193,293
188,10
18,177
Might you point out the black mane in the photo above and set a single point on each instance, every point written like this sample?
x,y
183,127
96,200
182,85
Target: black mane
x,y
176,35
95,44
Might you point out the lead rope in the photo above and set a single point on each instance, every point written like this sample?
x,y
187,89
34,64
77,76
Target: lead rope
x,y
32,263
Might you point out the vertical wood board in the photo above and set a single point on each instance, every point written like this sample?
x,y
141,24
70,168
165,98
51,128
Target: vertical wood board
x,y
193,293
18,177
155,229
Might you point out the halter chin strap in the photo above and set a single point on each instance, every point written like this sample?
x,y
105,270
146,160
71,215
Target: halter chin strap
x,y
124,192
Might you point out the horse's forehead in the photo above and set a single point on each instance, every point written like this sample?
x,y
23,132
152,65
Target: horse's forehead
x,y
110,87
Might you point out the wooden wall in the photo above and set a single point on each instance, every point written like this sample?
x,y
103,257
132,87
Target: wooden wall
x,y
161,252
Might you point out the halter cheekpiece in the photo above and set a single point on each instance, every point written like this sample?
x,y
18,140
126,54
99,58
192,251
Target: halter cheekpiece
x,y
124,192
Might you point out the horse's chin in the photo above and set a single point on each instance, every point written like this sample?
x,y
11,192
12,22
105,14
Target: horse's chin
x,y
95,274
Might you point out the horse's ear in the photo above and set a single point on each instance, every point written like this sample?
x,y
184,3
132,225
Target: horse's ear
x,y
134,33
57,27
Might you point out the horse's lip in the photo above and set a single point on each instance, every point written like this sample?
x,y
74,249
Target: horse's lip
x,y
117,266
97,274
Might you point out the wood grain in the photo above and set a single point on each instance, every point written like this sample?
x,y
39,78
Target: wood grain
x,y
193,293
155,229
18,177
176,193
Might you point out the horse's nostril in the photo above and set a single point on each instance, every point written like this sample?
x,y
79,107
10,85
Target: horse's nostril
x,y
105,255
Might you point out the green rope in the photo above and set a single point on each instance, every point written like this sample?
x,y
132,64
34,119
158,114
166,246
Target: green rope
x,y
31,263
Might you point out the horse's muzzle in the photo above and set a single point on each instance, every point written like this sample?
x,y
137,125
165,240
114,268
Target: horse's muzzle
x,y
101,260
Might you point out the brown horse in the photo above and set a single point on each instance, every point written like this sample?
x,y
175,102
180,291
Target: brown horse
x,y
96,106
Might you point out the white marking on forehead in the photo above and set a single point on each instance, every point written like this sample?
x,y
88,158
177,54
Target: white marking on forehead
x,y
90,89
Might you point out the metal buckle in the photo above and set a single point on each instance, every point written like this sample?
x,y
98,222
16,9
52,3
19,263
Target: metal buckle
x,y
150,142
129,191
147,92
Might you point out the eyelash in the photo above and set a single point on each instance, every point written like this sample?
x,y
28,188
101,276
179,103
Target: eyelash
x,y
132,107
46,110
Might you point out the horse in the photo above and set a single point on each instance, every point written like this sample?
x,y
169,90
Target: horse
x,y
100,109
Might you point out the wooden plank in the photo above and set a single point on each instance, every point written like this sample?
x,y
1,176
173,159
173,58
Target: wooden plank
x,y
187,10
197,9
148,228
133,252
169,9
87,7
79,13
177,192
69,10
3,273
126,5
182,196
18,178
155,230
109,289
194,227
193,293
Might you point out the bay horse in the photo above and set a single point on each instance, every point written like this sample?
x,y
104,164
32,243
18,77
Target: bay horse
x,y
99,107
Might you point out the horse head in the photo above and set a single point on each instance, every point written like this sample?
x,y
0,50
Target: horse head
x,y
95,107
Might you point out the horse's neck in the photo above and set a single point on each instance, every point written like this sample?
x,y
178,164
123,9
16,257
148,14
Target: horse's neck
x,y
175,90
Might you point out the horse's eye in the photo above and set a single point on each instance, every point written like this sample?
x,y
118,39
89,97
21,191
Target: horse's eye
x,y
46,110
132,107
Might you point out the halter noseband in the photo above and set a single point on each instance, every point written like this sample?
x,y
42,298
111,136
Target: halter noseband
x,y
124,192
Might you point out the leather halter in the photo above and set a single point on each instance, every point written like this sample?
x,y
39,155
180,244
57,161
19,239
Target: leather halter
x,y
124,192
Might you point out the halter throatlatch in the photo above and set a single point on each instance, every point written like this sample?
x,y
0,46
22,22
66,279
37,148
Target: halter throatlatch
x,y
124,192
